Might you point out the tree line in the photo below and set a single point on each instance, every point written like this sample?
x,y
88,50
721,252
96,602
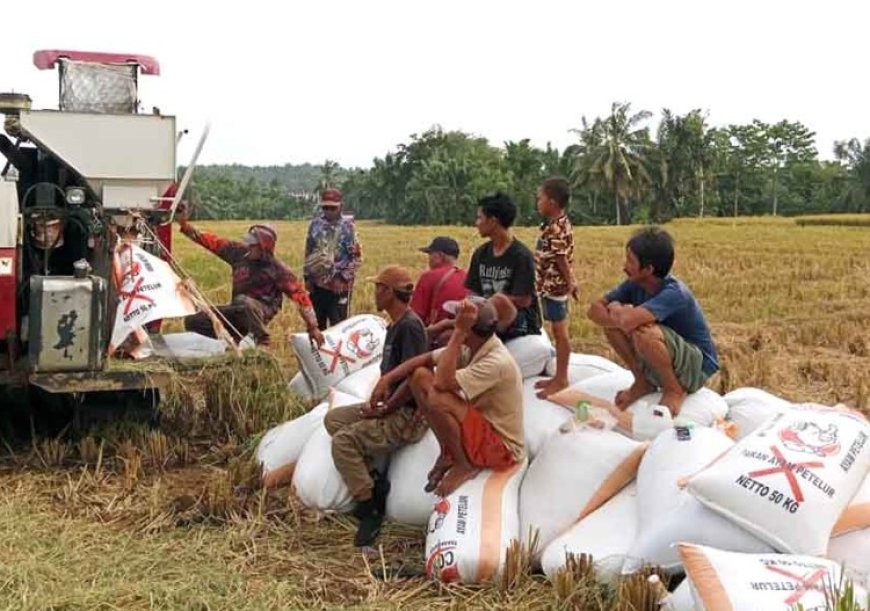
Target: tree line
x,y
620,169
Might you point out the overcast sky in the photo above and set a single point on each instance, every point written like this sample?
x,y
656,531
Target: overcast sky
x,y
305,80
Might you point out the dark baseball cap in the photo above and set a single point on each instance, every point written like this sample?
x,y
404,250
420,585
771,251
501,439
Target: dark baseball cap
x,y
443,244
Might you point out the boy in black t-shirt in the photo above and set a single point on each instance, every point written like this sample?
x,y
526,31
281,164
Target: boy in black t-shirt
x,y
504,265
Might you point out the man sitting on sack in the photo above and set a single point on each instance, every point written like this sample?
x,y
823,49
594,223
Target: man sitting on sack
x,y
443,282
501,266
390,420
473,401
656,325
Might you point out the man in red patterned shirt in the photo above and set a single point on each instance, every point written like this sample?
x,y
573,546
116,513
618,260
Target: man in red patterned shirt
x,y
260,282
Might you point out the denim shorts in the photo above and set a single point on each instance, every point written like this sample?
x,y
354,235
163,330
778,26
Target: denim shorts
x,y
555,310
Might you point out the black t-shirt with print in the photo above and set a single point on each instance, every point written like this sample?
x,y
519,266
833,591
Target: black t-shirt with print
x,y
512,273
406,338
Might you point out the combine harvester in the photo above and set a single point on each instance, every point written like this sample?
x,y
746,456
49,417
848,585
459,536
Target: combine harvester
x,y
78,186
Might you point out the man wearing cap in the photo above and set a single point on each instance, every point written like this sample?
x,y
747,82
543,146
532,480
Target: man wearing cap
x,y
443,281
332,255
473,401
390,420
260,282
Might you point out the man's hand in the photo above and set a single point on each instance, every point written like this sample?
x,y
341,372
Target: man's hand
x,y
315,336
378,410
181,213
380,392
368,412
466,316
575,291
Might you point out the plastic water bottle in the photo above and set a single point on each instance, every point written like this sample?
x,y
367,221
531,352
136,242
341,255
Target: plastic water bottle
x,y
581,411
581,416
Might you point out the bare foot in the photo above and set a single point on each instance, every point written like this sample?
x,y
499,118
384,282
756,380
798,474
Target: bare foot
x,y
673,400
455,477
442,465
626,397
552,388
543,383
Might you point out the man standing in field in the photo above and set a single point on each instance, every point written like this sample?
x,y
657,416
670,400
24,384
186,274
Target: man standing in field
x,y
656,325
260,282
554,258
332,255
504,265
443,281
390,420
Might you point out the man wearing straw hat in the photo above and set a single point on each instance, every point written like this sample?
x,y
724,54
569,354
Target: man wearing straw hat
x,y
260,282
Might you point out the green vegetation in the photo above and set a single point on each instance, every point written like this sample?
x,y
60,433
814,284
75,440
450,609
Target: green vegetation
x,y
623,169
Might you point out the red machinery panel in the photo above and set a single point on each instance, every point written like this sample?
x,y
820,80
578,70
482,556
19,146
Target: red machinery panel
x,y
8,291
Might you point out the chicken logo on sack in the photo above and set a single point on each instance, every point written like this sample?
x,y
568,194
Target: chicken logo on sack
x,y
362,343
442,508
810,438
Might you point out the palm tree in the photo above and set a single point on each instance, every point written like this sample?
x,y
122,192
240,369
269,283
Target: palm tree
x,y
856,157
701,151
612,153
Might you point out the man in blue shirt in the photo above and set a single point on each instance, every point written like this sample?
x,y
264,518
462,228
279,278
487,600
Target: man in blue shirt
x,y
656,325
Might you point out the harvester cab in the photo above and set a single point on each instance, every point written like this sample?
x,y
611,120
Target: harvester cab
x,y
73,180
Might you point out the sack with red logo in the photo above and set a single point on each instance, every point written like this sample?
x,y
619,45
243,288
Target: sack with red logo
x,y
316,481
348,347
724,581
748,408
470,531
407,502
281,446
789,481
573,475
670,513
606,534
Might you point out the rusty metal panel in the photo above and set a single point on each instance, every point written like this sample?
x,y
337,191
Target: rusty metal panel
x,y
66,328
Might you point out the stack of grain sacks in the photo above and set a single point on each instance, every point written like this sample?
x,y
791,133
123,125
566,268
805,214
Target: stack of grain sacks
x,y
745,494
